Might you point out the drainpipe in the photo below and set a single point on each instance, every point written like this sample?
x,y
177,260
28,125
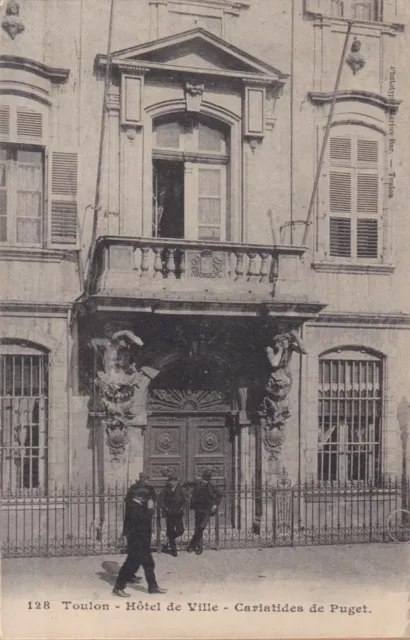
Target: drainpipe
x,y
69,389
292,80
327,133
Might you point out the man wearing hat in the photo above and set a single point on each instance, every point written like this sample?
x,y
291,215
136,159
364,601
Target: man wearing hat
x,y
150,496
205,500
172,502
138,527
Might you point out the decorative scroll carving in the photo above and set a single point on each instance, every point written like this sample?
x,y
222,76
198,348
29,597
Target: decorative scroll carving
x,y
355,59
165,442
187,400
158,471
209,441
12,23
207,264
275,407
215,469
116,436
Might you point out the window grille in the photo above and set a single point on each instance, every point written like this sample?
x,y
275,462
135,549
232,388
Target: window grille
x,y
350,418
23,412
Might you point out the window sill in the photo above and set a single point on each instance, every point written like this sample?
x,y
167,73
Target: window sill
x,y
375,25
32,254
343,267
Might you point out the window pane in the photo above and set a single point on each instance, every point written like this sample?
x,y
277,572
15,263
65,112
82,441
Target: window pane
x,y
3,175
210,139
209,210
167,135
3,228
28,204
209,182
29,231
209,233
34,157
29,177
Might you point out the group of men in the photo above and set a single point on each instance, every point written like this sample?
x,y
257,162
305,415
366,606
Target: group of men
x,y
139,509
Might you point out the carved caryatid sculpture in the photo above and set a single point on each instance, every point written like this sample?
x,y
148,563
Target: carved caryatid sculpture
x,y
122,387
275,409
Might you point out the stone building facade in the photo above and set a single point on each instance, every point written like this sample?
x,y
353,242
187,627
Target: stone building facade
x,y
205,313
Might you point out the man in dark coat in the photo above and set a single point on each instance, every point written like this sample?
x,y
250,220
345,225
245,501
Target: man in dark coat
x,y
205,500
138,526
142,482
172,502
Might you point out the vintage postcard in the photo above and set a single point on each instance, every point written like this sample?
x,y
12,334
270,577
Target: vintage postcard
x,y
205,319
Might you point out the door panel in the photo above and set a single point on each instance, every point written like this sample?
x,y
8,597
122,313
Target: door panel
x,y
208,448
165,448
187,445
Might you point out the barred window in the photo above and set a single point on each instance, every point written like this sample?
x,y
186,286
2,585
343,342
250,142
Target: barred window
x,y
23,415
350,416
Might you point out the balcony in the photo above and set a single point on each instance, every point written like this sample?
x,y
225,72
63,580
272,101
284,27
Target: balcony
x,y
170,275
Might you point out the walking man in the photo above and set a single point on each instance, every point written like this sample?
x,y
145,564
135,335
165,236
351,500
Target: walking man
x,y
138,527
205,500
172,502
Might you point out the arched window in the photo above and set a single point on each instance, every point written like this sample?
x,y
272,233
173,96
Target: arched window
x,y
353,205
350,397
24,416
190,158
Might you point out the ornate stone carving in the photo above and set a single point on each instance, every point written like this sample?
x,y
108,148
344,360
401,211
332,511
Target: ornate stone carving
x,y
116,436
355,59
122,387
209,441
275,407
187,400
207,264
193,97
165,442
12,23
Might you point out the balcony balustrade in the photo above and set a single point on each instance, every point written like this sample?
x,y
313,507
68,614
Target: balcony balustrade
x,y
172,268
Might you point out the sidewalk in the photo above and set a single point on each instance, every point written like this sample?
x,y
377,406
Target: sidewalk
x,y
373,576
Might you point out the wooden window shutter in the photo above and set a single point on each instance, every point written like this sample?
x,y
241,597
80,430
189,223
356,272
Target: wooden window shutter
x,y
340,196
4,122
64,177
368,198
29,124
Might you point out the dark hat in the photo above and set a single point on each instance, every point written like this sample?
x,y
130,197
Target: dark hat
x,y
172,475
143,476
207,474
140,492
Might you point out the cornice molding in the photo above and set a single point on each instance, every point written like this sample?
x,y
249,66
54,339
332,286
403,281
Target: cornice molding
x,y
34,308
375,99
356,318
55,75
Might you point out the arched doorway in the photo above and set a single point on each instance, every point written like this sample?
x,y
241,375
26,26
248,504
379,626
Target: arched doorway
x,y
189,427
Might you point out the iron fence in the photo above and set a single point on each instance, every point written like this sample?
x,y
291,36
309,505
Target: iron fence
x,y
81,521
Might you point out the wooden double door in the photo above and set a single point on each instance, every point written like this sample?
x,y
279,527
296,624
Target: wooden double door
x,y
187,444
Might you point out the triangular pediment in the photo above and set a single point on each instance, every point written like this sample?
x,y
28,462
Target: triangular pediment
x,y
199,50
